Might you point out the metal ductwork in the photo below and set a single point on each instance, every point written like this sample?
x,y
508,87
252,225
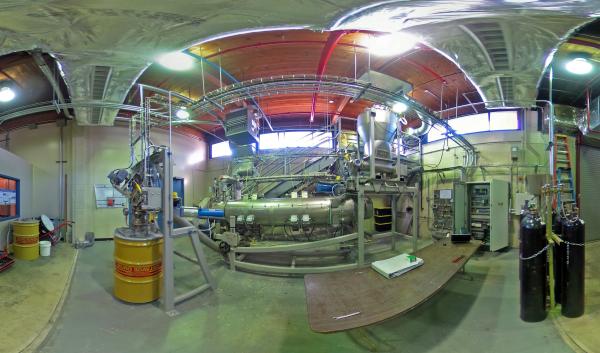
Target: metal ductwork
x,y
426,123
241,129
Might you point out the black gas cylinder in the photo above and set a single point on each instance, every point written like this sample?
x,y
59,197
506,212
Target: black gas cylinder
x,y
573,267
559,250
533,267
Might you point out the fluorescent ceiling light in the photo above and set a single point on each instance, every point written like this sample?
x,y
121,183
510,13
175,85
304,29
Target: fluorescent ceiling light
x,y
579,66
399,107
182,114
176,61
391,44
6,94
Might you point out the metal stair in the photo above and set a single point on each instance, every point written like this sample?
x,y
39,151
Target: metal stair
x,y
289,161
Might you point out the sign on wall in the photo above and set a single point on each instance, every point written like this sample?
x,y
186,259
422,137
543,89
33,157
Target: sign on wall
x,y
108,197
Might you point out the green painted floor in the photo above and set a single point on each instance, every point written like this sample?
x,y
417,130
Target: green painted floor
x,y
251,313
30,293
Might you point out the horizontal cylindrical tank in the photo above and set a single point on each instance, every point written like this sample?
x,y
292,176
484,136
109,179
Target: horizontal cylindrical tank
x,y
277,212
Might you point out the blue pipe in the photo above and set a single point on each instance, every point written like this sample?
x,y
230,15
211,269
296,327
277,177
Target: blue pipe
x,y
211,213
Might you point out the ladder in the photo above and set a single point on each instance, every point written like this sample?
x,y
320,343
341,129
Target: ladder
x,y
563,173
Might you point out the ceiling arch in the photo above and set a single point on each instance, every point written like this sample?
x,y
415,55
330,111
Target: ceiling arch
x,y
103,47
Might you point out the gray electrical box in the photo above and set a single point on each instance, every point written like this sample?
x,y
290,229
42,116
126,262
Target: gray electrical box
x,y
152,198
515,151
481,207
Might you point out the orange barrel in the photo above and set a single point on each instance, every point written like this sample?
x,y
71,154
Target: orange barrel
x,y
26,239
138,268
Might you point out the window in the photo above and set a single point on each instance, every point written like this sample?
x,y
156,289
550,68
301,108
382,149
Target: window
x,y
470,124
277,140
437,132
9,198
269,141
504,120
296,139
220,149
492,121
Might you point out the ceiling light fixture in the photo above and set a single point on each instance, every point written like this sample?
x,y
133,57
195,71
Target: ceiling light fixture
x,y
6,94
579,66
182,114
391,44
399,107
176,61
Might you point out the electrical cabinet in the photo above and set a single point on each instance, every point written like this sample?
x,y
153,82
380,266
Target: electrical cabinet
x,y
482,209
442,213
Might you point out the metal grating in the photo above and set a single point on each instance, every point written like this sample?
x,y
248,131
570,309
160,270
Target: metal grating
x,y
491,36
507,88
99,83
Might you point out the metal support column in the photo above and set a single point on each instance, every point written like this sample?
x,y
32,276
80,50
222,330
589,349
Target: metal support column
x,y
394,220
360,215
371,146
170,297
167,230
416,209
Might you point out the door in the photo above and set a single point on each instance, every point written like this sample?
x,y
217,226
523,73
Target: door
x,y
498,214
460,206
179,189
589,191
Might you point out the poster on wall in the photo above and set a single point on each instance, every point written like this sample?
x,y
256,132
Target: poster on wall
x,y
8,197
108,197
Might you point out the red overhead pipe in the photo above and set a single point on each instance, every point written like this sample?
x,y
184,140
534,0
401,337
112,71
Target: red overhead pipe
x,y
583,43
332,40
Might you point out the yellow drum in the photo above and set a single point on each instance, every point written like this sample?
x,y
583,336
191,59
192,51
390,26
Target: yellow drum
x,y
26,239
138,269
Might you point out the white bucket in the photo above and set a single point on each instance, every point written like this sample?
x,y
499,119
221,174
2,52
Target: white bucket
x,y
45,247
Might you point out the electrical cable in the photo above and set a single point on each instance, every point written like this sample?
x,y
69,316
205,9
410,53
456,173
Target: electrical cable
x,y
441,155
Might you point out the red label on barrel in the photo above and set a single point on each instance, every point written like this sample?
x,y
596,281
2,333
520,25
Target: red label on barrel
x,y
138,270
21,240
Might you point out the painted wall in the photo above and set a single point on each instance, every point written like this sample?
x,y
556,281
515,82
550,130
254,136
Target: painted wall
x,y
494,157
99,150
40,147
16,167
90,154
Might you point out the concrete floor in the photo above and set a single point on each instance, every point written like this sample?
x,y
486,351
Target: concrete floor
x,y
583,331
30,292
252,313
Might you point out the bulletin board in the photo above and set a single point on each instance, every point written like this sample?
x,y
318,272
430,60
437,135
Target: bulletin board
x,y
108,197
9,197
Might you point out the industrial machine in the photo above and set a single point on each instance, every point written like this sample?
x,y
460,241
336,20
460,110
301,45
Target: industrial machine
x,y
323,219
144,250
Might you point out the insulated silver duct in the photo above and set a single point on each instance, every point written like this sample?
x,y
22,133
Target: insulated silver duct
x,y
278,212
421,130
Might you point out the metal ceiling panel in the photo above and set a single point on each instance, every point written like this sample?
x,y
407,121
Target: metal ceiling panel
x,y
128,35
